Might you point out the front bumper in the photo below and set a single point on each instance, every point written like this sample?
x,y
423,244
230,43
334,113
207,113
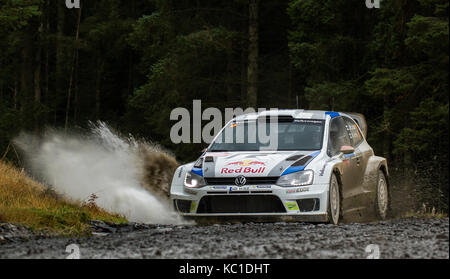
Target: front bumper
x,y
306,203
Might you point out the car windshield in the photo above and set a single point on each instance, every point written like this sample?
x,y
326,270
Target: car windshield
x,y
299,134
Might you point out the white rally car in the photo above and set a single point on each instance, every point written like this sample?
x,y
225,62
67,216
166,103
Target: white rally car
x,y
320,169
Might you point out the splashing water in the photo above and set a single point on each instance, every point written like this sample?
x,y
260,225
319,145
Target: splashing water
x,y
107,165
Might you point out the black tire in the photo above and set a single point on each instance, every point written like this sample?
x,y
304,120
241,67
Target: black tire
x,y
334,201
382,199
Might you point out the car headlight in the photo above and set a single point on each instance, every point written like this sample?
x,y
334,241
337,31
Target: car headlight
x,y
193,180
301,178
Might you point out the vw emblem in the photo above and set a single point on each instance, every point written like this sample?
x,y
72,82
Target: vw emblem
x,y
240,180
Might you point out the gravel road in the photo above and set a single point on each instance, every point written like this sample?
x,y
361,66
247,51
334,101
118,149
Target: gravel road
x,y
402,238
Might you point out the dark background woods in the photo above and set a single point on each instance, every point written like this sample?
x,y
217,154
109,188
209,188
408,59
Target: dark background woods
x,y
130,62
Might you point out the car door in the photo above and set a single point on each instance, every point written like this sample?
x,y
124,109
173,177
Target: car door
x,y
358,161
363,152
338,137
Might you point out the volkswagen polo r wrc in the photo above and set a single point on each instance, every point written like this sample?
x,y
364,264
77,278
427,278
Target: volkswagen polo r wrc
x,y
320,169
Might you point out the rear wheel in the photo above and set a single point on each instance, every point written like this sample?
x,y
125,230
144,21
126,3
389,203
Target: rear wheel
x,y
334,201
382,198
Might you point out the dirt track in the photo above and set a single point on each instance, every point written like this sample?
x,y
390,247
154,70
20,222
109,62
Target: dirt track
x,y
406,238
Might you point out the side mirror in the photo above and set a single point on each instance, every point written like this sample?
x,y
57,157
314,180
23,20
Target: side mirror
x,y
347,149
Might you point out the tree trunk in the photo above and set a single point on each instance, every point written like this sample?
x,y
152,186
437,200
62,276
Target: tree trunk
x,y
130,73
47,58
26,80
59,84
244,60
37,71
75,58
387,138
97,88
291,86
229,78
253,53
131,55
37,85
15,91
76,91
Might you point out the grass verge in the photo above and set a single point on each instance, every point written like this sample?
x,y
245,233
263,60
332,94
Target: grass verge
x,y
27,202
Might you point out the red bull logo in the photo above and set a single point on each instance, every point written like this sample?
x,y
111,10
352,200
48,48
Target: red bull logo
x,y
246,166
243,170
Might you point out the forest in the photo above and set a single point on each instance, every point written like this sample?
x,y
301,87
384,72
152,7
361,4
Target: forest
x,y
129,63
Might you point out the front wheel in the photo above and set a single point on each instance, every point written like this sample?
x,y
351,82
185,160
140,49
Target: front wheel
x,y
382,198
334,201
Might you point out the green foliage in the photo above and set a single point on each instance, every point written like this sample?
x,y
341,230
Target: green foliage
x,y
336,96
180,65
16,14
426,133
393,68
428,36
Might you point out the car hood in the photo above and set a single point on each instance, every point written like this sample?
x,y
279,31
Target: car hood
x,y
250,164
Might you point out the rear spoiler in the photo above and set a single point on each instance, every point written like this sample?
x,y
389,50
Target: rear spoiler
x,y
360,120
